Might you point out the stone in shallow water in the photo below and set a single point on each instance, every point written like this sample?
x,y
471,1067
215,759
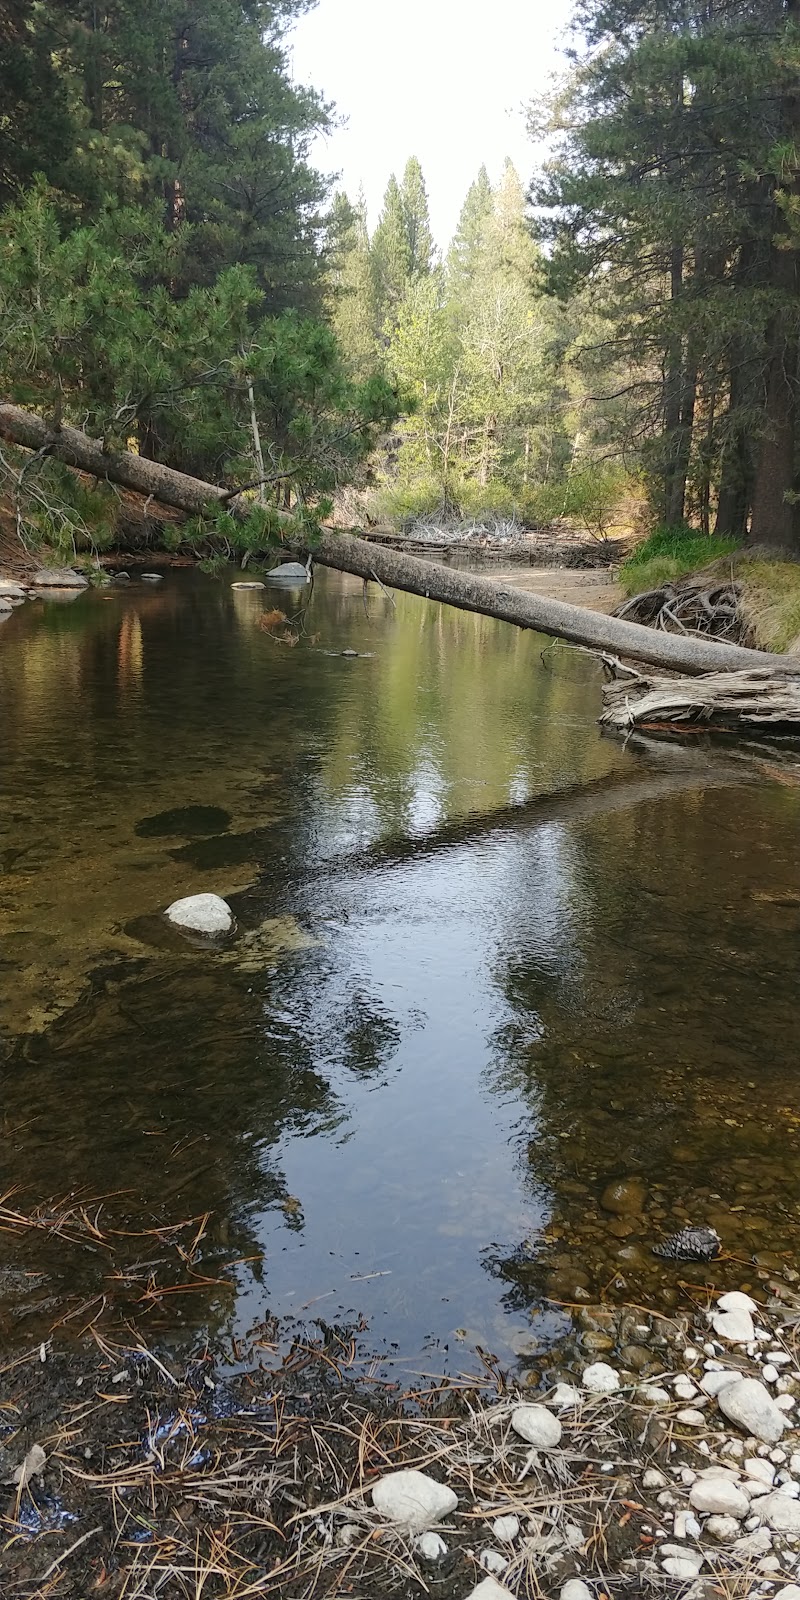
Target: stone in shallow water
x,y
413,1499
59,578
624,1196
537,1426
183,822
203,913
290,573
751,1407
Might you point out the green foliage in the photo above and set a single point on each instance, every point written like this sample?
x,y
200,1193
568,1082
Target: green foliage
x,y
591,496
669,553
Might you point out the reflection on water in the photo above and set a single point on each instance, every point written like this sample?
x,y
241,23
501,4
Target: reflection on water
x,y
486,961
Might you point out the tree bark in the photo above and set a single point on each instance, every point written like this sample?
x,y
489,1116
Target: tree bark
x,y
467,590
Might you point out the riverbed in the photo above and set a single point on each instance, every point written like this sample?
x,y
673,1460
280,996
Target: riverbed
x,y
487,961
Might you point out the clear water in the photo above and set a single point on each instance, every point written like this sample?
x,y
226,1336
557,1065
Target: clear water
x,y
486,960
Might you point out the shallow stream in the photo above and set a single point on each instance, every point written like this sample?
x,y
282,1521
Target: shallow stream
x,y
486,962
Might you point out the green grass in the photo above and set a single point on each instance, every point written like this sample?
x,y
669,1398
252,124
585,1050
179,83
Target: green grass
x,y
669,553
771,603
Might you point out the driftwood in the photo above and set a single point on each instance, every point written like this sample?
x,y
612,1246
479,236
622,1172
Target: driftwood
x,y
699,604
448,585
759,698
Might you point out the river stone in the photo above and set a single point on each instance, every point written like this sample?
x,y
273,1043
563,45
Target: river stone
x,y
565,1395
751,1407
413,1499
683,1567
537,1426
736,1326
736,1301
576,1589
9,590
151,577
780,1512
204,913
291,573
599,1378
723,1529
753,1545
251,583
719,1496
624,1196
714,1382
59,578
5,603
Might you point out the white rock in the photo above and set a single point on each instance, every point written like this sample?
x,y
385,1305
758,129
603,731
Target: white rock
x,y
754,1544
681,1567
780,1512
682,1554
204,913
600,1378
492,1561
769,1373
573,1535
684,1388
791,1592
564,1396
490,1589
755,1490
723,1529
788,1486
691,1418
537,1426
778,1456
59,578
733,1447
431,1546
794,1463
714,1381
735,1327
576,1589
654,1395
412,1498
736,1301
690,1355
770,1564
755,1467
653,1479
785,1402
751,1407
506,1529
686,1475
719,1496
780,1358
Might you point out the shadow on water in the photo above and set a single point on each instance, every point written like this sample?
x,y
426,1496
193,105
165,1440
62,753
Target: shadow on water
x,y
487,963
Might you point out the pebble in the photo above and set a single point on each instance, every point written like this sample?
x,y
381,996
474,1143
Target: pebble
x,y
684,1388
576,1589
506,1529
785,1402
719,1496
490,1589
769,1373
791,1592
654,1395
751,1407
723,1529
690,1355
599,1378
754,1544
735,1300
686,1526
682,1555
565,1395
714,1381
413,1499
653,1479
682,1567
736,1327
781,1513
492,1561
755,1467
432,1547
691,1418
537,1426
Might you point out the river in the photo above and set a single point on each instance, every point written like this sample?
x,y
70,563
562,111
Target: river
x,y
486,962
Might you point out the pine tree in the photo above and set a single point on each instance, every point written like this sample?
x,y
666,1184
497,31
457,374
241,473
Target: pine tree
x,y
352,292
417,220
465,247
391,254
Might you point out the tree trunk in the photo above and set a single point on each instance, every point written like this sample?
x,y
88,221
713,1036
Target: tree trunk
x,y
773,506
466,590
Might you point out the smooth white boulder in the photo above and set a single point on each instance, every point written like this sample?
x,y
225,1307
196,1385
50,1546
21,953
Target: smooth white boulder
x,y
537,1426
720,1497
735,1327
576,1589
600,1378
713,1382
681,1567
413,1499
735,1300
758,1467
11,590
751,1407
203,913
59,578
780,1512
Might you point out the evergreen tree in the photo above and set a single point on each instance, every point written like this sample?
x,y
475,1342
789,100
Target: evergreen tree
x,y
465,247
352,293
417,220
391,254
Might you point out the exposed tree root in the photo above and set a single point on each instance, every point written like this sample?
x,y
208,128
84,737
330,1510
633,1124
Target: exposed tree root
x,y
702,604
760,698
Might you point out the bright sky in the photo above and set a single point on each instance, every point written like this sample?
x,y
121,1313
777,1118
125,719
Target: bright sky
x,y
445,80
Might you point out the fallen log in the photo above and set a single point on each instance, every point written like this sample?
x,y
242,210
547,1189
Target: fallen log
x,y
449,585
762,697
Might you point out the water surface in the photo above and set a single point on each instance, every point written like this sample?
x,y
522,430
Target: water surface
x,y
486,960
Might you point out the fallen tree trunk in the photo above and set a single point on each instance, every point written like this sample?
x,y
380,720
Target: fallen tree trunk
x,y
467,590
760,698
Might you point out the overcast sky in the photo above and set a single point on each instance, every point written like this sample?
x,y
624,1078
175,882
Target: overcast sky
x,y
445,80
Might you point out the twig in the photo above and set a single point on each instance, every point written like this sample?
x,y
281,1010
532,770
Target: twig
x,y
54,1565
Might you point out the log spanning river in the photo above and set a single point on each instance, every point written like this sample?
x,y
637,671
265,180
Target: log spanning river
x,y
508,1001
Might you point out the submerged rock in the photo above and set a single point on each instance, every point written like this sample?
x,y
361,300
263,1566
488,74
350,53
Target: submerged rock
x,y
691,1244
751,1407
204,913
413,1499
290,573
151,577
624,1196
